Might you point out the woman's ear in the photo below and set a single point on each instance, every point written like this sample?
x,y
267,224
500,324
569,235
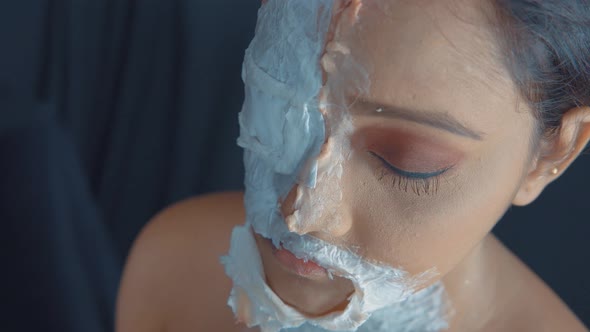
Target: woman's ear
x,y
557,155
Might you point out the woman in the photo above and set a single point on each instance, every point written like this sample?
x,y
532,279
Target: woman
x,y
383,140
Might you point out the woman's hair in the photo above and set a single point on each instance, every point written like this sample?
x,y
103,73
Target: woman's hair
x,y
546,46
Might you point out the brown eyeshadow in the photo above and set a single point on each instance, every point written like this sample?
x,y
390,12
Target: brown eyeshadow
x,y
407,150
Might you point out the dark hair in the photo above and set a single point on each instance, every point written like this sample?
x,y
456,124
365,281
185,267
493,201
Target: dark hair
x,y
546,45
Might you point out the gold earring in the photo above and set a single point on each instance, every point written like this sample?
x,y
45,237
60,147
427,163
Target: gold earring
x,y
554,171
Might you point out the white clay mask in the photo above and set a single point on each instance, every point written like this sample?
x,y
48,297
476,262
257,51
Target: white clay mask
x,y
295,130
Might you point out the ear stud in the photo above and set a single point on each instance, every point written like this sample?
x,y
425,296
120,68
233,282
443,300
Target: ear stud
x,y
554,171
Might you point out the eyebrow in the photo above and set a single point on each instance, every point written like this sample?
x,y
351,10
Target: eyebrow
x,y
440,120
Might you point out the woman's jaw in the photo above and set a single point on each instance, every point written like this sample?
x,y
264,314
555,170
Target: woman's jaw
x,y
315,292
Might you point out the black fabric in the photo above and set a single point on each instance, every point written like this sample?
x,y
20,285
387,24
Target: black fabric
x,y
60,272
150,90
112,109
109,111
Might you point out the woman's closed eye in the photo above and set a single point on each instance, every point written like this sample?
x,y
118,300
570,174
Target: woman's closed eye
x,y
418,182
407,160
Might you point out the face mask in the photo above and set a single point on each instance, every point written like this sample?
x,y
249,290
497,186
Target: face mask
x,y
295,128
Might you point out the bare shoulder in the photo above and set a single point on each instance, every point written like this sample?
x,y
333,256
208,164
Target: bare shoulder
x,y
529,304
173,280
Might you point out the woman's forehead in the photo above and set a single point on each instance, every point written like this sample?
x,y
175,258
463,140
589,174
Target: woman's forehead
x,y
433,55
418,54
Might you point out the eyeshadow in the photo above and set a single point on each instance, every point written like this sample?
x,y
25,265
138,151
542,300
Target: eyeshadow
x,y
407,149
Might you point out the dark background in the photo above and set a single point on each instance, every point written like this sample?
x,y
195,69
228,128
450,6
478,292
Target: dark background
x,y
112,109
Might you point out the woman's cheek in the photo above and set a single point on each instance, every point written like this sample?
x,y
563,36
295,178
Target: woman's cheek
x,y
398,228
381,230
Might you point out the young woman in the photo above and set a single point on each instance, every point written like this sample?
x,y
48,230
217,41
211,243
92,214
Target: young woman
x,y
471,107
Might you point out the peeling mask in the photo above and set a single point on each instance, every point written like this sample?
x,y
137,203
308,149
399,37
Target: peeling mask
x,y
299,76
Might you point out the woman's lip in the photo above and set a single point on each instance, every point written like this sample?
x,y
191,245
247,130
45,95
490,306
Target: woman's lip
x,y
299,266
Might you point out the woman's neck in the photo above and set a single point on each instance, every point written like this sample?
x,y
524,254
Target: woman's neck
x,y
473,288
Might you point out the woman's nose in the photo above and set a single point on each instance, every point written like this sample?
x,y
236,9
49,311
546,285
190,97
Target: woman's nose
x,y
324,221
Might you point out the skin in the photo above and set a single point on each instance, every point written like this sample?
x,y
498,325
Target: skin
x,y
426,61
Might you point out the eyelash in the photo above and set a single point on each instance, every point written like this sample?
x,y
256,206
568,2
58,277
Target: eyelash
x,y
419,183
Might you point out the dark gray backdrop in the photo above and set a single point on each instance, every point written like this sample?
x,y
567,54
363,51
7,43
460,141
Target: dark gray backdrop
x,y
112,109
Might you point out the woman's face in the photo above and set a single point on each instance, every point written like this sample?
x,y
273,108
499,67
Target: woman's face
x,y
439,148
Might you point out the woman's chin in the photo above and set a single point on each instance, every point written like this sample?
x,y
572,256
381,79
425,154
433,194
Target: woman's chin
x,y
311,300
